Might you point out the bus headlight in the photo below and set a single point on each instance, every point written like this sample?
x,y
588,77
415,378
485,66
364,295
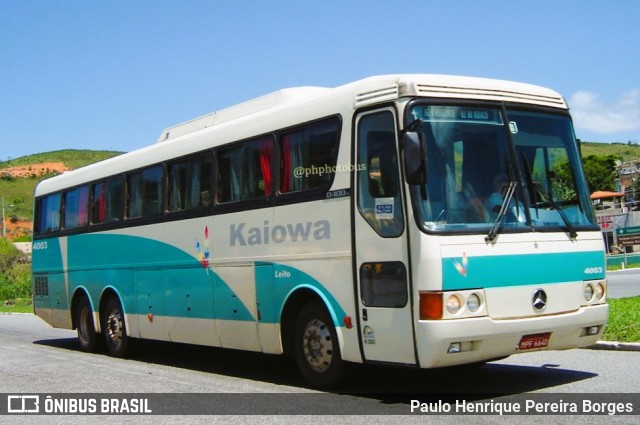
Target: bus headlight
x,y
600,290
588,292
473,303
453,304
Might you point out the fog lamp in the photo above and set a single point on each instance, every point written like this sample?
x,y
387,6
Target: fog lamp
x,y
593,330
454,347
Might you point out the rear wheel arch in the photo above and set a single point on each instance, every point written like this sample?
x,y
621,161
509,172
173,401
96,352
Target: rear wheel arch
x,y
82,316
75,300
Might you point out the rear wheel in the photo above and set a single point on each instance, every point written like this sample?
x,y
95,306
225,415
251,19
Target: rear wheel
x,y
87,336
115,330
316,346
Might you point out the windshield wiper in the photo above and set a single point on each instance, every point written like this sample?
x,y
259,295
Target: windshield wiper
x,y
504,208
539,188
554,205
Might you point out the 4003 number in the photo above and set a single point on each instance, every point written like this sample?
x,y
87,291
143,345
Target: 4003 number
x,y
593,270
39,245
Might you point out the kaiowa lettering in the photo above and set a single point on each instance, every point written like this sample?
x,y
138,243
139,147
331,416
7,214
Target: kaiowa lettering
x,y
242,235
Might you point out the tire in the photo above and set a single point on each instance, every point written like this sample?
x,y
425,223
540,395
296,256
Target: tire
x,y
317,350
115,330
87,336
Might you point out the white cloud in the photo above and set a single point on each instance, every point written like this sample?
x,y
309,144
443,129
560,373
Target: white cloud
x,y
590,114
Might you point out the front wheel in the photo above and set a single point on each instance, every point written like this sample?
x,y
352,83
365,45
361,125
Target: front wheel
x,y
317,349
115,330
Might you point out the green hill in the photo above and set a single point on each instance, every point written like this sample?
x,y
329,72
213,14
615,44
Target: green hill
x,y
18,191
624,151
72,158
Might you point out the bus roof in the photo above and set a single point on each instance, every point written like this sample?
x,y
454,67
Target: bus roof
x,y
278,98
302,104
378,89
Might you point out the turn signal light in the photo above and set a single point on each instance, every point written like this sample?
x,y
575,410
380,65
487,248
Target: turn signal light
x,y
430,305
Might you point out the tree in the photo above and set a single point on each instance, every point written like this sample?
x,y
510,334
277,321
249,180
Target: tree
x,y
600,172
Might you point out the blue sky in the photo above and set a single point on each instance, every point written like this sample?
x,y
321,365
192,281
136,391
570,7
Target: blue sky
x,y
113,74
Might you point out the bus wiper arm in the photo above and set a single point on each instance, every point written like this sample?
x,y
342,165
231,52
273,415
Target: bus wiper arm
x,y
567,222
504,208
570,228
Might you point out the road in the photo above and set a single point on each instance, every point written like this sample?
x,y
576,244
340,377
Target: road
x,y
624,283
35,358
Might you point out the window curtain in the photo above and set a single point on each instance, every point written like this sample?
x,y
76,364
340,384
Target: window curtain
x,y
175,200
294,153
286,164
196,176
83,207
266,159
102,203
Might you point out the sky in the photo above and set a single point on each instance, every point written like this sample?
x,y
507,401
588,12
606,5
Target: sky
x,y
112,74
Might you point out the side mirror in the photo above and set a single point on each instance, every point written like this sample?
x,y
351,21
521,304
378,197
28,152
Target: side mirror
x,y
414,158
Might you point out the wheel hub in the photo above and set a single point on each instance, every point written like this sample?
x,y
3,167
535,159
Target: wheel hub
x,y
114,326
318,345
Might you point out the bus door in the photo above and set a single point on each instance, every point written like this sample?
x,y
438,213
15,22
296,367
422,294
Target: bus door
x,y
381,248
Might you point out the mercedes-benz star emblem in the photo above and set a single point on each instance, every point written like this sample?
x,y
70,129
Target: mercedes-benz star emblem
x,y
539,300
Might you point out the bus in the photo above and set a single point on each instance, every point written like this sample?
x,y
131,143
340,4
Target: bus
x,y
411,220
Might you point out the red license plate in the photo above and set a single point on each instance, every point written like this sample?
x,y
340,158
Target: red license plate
x,y
531,342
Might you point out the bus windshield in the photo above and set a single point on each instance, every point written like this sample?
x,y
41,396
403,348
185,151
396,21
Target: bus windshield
x,y
499,168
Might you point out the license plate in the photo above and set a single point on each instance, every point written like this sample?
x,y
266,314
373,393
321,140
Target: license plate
x,y
531,342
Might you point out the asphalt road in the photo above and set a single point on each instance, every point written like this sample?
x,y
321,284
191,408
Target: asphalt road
x,y
35,358
623,283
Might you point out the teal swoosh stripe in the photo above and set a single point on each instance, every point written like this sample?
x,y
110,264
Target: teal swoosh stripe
x,y
275,282
154,276
522,269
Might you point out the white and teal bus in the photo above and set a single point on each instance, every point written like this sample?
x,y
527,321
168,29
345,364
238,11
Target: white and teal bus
x,y
414,220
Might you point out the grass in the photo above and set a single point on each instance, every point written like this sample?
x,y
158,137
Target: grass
x,y
21,305
624,320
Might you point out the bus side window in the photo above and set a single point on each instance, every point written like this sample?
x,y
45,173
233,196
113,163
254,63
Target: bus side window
x,y
107,202
145,192
378,175
190,183
76,204
48,214
244,171
308,156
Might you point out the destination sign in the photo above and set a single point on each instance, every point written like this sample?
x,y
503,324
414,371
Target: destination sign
x,y
460,114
